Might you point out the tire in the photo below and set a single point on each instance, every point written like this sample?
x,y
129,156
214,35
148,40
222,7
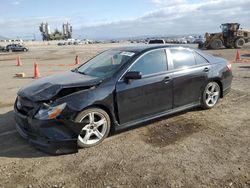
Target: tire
x,y
216,44
239,43
210,95
93,133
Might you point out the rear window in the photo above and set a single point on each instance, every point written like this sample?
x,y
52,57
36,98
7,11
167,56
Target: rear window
x,y
182,58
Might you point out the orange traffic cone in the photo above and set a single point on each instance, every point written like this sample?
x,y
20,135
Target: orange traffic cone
x,y
77,61
36,71
237,58
18,61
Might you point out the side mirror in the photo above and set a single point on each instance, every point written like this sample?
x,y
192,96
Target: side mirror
x,y
133,75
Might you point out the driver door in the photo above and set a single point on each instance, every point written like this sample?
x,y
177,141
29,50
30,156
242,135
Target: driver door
x,y
152,94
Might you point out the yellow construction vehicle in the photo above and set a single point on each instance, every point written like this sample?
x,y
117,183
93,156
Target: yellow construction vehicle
x,y
232,36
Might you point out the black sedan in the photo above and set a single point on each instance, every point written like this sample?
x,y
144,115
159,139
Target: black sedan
x,y
16,48
117,89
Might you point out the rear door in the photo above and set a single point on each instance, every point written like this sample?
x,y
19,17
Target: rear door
x,y
149,95
190,76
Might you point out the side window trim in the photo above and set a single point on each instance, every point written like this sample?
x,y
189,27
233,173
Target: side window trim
x,y
170,60
149,75
195,53
166,55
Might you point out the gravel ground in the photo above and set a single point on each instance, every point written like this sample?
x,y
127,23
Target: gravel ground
x,y
195,148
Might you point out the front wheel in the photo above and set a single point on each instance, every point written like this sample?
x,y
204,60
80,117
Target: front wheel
x,y
216,44
96,127
211,95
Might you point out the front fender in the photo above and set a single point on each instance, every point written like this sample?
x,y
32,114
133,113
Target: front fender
x,y
97,96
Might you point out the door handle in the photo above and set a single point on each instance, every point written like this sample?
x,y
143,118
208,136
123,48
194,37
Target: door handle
x,y
166,79
206,69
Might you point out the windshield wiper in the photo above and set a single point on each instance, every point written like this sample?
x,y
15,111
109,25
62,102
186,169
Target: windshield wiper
x,y
74,70
81,72
77,71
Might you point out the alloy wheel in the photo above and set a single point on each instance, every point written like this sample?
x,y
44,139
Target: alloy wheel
x,y
212,94
94,130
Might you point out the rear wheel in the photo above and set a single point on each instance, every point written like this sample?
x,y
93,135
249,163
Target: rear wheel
x,y
239,43
211,95
96,129
216,44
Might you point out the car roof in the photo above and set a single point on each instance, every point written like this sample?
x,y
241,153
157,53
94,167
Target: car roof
x,y
148,47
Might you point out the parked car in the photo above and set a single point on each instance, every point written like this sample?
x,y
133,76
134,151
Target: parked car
x,y
16,48
183,41
61,44
199,40
156,41
2,48
117,89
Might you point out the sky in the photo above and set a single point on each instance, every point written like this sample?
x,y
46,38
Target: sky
x,y
101,19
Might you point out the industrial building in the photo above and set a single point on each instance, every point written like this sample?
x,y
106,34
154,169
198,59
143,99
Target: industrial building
x,y
56,35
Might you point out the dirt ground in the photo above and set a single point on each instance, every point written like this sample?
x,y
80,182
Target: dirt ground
x,y
192,149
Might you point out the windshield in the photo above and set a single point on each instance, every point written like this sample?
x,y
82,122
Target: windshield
x,y
105,64
224,28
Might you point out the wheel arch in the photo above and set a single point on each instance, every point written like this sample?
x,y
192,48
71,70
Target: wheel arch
x,y
106,109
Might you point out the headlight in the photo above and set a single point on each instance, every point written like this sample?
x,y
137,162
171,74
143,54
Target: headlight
x,y
50,112
18,104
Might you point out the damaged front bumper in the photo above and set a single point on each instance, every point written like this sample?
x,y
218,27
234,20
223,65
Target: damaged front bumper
x,y
55,136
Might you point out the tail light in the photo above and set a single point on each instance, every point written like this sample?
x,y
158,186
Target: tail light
x,y
229,66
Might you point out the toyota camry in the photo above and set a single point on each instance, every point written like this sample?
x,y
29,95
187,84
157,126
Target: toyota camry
x,y
117,89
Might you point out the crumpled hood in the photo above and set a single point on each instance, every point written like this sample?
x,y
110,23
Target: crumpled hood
x,y
48,87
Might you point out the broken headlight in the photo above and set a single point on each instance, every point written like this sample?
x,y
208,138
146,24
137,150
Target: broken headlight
x,y
47,112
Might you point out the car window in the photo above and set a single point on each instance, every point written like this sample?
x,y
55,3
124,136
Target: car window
x,y
152,62
182,58
199,59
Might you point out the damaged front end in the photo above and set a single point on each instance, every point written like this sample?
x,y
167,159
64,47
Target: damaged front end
x,y
44,119
50,129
